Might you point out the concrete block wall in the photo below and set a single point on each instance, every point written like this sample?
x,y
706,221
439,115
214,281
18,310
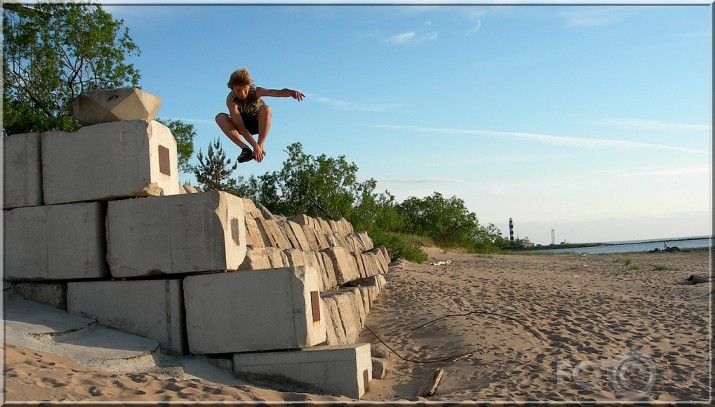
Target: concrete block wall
x,y
94,217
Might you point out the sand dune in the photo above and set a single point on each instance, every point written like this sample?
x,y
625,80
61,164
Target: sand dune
x,y
522,327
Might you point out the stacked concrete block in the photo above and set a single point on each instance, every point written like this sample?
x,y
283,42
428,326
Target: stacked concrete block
x,y
254,311
22,178
150,308
108,105
175,234
55,242
338,370
109,161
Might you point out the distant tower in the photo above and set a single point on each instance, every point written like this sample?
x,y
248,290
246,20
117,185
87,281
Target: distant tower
x,y
511,230
553,237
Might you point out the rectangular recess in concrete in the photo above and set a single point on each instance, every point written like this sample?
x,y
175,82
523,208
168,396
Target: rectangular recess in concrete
x,y
150,308
344,370
251,311
108,161
55,242
176,234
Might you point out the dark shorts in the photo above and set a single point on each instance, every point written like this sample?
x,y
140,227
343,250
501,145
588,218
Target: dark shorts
x,y
251,123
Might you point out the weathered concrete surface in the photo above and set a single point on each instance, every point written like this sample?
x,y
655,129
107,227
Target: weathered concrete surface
x,y
344,264
22,177
344,370
53,294
55,242
251,311
175,234
150,308
109,105
109,161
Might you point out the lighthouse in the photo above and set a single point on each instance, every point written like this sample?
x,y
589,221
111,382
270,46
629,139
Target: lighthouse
x,y
511,231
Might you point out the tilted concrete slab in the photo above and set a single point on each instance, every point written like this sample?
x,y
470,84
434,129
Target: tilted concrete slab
x,y
251,311
149,308
22,177
110,105
344,264
175,234
344,370
55,242
109,161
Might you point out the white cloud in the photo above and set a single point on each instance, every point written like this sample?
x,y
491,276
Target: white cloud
x,y
359,107
547,139
430,180
410,38
672,172
624,122
592,16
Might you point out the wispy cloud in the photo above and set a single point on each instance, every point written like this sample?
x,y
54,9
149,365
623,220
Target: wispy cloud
x,y
546,138
432,180
649,124
592,16
671,172
352,106
192,120
410,38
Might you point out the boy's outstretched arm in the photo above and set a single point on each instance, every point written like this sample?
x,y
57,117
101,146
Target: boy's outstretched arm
x,y
284,93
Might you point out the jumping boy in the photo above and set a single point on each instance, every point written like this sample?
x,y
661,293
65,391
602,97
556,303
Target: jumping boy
x,y
248,114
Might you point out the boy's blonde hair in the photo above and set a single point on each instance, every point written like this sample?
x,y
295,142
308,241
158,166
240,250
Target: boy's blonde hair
x,y
240,77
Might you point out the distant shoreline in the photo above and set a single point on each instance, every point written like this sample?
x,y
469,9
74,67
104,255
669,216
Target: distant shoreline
x,y
600,244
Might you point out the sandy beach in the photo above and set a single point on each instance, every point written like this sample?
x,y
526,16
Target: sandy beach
x,y
516,327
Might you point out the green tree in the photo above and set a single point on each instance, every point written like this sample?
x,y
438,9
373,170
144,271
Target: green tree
x,y
214,171
184,133
447,221
54,51
320,186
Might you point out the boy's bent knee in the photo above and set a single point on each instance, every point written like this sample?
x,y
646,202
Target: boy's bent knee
x,y
221,117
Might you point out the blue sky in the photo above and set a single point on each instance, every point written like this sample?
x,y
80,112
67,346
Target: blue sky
x,y
593,121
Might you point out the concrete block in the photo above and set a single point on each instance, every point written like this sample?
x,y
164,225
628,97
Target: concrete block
x,y
265,213
342,370
53,294
349,314
256,259
315,260
250,208
288,233
253,310
379,368
255,237
366,240
277,257
55,242
109,105
273,232
109,161
176,234
22,177
335,332
311,238
150,308
357,257
296,258
299,234
343,264
329,279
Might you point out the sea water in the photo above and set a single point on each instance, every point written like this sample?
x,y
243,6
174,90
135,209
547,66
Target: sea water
x,y
701,242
